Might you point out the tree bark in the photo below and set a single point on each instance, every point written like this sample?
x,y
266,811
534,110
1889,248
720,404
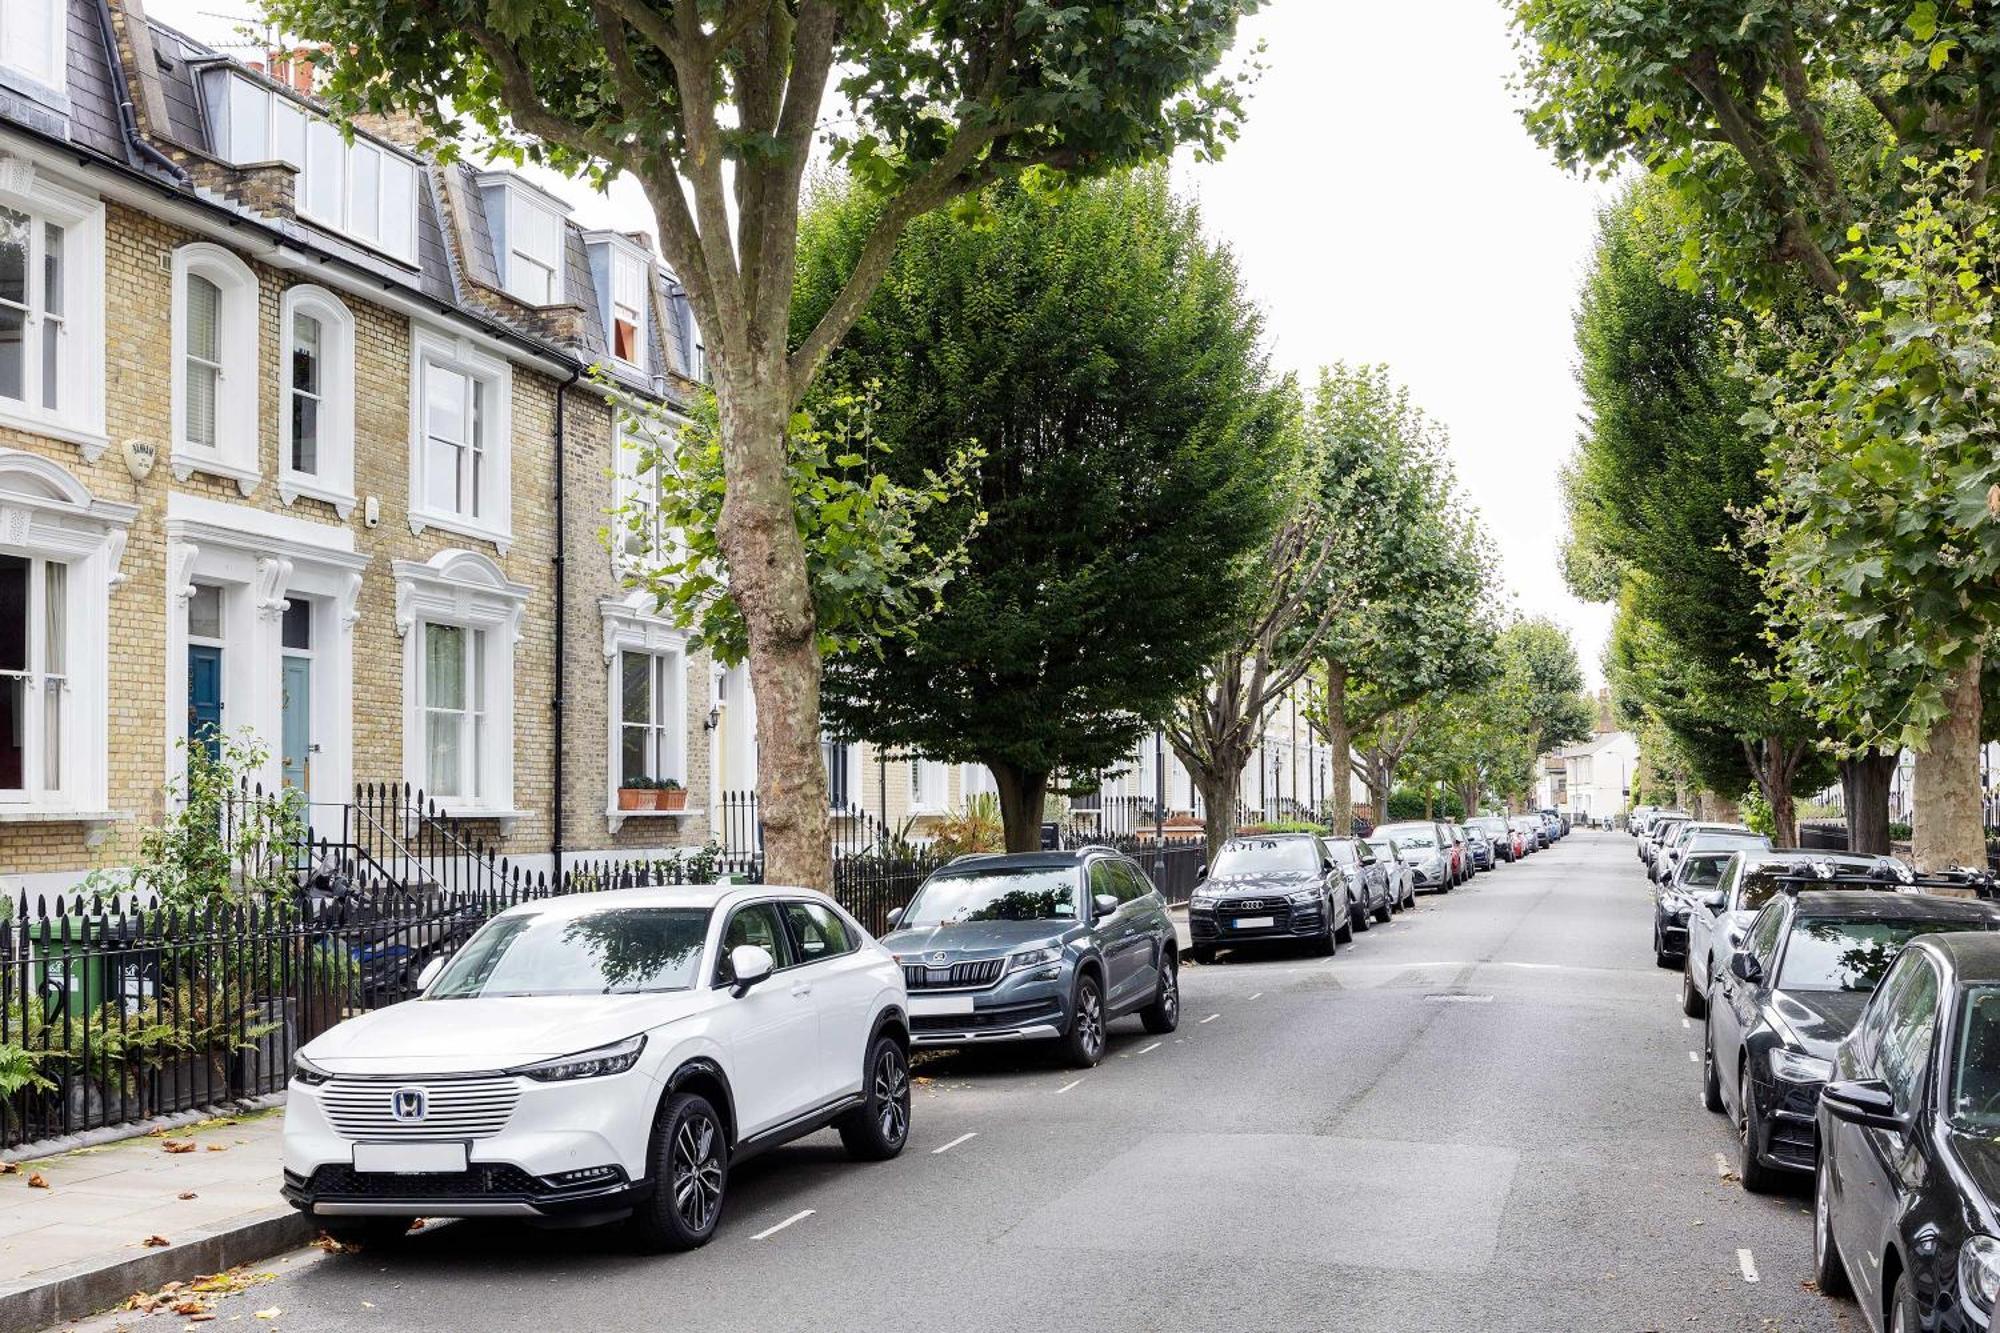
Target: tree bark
x,y
1864,786
1781,761
1339,739
1218,790
759,536
1948,827
1023,795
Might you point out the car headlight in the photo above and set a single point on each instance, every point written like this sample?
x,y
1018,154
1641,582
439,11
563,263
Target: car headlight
x,y
308,1073
1034,957
1979,1271
616,1058
1203,898
1303,898
1793,1067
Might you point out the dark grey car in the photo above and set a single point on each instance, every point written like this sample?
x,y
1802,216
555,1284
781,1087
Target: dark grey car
x,y
1368,889
1041,946
1271,887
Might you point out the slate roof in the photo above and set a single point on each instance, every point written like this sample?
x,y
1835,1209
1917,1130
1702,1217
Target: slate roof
x,y
93,105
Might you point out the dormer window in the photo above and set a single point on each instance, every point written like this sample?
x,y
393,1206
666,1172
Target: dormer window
x,y
628,308
527,228
363,190
31,40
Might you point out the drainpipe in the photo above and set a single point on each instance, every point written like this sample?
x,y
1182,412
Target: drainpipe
x,y
560,565
128,120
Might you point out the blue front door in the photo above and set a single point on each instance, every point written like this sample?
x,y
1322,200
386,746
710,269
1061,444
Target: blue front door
x,y
205,698
296,724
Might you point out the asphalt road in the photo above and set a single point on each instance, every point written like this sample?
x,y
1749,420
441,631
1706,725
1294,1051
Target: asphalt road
x,y
1482,1117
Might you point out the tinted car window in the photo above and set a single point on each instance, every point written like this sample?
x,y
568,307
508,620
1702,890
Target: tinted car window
x,y
1975,1084
756,924
1907,1036
1017,893
1703,872
818,932
1265,856
1138,885
1344,852
1763,937
1826,955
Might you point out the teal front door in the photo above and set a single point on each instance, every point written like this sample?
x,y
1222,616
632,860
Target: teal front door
x,y
204,727
297,724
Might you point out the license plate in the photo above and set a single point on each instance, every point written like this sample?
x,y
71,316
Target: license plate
x,y
406,1159
933,1005
1254,922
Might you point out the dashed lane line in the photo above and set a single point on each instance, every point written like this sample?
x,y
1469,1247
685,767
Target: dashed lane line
x,y
1747,1264
768,1232
1693,1059
1210,1019
1148,1050
963,1138
1067,1086
1258,996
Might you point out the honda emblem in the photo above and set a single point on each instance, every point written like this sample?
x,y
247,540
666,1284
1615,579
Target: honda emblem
x,y
409,1105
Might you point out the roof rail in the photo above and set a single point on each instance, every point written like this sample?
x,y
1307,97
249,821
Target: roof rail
x,y
1825,875
972,856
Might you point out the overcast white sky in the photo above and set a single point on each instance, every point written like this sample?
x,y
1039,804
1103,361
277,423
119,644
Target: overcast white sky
x,y
1387,209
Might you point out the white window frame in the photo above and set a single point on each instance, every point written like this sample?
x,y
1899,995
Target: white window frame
x,y
517,202
853,774
627,266
495,522
234,456
333,482
629,628
46,515
464,589
48,67
78,417
629,550
929,786
975,779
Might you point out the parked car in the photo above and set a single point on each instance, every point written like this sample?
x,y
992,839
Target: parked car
x,y
602,1055
1480,844
1707,836
1505,846
1748,882
1368,890
1696,877
1399,866
1635,822
1788,996
1657,833
1904,1217
1427,849
1267,888
1037,946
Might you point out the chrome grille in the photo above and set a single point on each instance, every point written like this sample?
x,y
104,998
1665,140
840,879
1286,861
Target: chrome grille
x,y
470,1108
982,972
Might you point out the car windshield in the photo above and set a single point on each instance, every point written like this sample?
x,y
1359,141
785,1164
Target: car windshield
x,y
1975,1085
1415,838
1267,856
1383,848
1834,955
1703,872
1707,841
618,951
1344,853
1017,893
1759,882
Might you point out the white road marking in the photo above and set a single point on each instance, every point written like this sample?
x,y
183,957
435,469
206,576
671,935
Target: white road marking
x,y
1721,1166
799,1216
1067,1086
955,1142
1748,1264
1148,1050
1258,996
1686,1023
1210,1019
1693,1059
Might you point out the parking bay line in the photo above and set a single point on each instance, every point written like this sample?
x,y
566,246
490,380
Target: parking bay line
x,y
955,1142
1148,1049
1066,1087
799,1216
1693,1059
1210,1019
1747,1264
1258,996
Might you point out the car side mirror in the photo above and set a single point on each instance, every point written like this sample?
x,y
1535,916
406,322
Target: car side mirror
x,y
1864,1102
748,965
895,915
1105,904
1713,901
1200,873
1326,867
1745,967
431,969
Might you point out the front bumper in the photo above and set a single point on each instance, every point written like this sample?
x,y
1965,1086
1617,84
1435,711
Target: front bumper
x,y
1428,881
1026,1005
1215,923
1788,1116
489,1189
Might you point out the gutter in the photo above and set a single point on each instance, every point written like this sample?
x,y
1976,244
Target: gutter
x,y
128,121
560,562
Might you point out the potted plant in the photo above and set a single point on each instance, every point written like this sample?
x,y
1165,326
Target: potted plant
x,y
672,796
636,794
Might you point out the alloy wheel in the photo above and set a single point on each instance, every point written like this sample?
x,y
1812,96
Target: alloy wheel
x,y
1170,993
892,1095
1090,1021
697,1172
1821,1224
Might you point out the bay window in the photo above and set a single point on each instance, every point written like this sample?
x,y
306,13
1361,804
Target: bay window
x,y
459,431
214,366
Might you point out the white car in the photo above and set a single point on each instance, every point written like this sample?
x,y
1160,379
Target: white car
x,y
604,1055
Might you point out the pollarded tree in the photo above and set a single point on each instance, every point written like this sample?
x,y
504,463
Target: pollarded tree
x,y
713,106
1135,463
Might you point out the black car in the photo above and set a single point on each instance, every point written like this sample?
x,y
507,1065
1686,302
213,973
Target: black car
x,y
1369,891
1695,882
1787,998
1271,887
1904,1214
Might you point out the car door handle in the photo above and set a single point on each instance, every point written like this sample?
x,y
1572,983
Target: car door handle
x,y
802,988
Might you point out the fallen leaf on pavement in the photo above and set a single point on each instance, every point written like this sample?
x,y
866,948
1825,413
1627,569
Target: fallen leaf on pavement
x,y
155,1242
189,1194
332,1246
177,1145
271,1313
9,1168
38,1181
417,1225
218,1147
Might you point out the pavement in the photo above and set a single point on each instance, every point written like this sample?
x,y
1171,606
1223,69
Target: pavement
x,y
1482,1117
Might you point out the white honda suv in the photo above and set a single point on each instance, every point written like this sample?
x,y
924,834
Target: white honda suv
x,y
604,1055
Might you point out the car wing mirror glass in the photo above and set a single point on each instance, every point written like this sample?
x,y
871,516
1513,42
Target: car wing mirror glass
x,y
1327,866
431,970
1200,873
1745,967
1105,904
748,965
895,915
1713,902
1865,1102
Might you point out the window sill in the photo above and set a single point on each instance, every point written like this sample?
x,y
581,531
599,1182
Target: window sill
x,y
470,813
294,486
97,823
421,519
93,443
616,818
185,464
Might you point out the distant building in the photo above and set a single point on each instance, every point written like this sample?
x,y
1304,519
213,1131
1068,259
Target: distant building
x,y
1592,780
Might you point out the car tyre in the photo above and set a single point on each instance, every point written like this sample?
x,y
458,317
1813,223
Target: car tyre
x,y
1829,1269
1756,1177
370,1233
1692,1003
1903,1307
1203,954
690,1161
1357,915
1345,935
1661,958
1163,1015
877,1129
1083,1044
1711,1085
1383,912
